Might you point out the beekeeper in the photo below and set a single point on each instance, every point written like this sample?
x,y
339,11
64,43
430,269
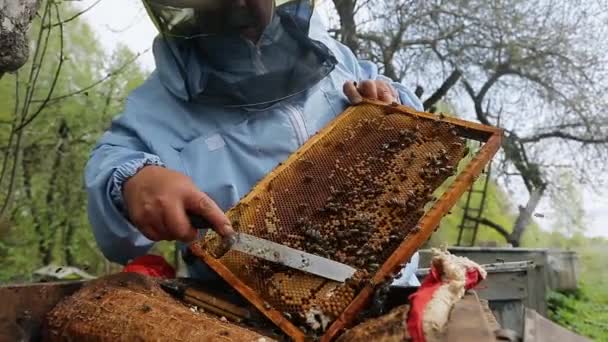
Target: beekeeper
x,y
238,87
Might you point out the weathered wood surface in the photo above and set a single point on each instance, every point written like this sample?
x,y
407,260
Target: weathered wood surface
x,y
468,322
23,307
540,329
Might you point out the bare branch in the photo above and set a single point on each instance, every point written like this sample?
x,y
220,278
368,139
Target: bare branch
x,y
348,28
109,75
443,90
31,118
481,115
58,23
17,135
566,136
486,222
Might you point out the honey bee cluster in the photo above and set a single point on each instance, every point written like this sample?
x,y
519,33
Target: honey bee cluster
x,y
353,197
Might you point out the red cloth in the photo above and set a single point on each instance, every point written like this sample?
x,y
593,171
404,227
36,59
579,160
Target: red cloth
x,y
151,265
420,299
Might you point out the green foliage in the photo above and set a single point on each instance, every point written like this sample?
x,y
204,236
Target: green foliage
x,y
496,209
47,220
584,312
567,205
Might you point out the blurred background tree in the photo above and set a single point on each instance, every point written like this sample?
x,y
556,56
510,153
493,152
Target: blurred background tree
x,y
51,112
535,68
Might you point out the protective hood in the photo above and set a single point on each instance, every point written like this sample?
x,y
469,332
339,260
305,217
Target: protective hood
x,y
195,18
231,71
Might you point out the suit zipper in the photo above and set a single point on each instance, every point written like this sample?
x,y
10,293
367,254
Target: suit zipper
x,y
297,121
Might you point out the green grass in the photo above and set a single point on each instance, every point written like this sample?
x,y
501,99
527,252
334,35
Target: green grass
x,y
586,310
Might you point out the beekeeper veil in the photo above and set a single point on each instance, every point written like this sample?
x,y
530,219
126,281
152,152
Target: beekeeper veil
x,y
252,52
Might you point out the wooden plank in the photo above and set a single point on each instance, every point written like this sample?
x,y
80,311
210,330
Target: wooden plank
x,y
24,307
254,298
510,314
484,255
504,286
468,321
563,270
540,329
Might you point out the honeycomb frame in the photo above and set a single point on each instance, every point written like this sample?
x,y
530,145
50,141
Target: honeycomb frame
x,y
400,251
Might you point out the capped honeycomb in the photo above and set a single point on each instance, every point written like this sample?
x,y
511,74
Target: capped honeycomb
x,y
352,193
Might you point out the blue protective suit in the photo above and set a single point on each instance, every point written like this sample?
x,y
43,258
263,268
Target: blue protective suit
x,y
224,150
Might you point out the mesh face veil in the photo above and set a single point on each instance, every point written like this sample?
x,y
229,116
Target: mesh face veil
x,y
250,52
196,18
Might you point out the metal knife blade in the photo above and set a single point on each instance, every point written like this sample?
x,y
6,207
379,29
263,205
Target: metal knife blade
x,y
282,254
292,257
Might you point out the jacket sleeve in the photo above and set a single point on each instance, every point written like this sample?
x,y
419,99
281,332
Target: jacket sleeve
x,y
119,154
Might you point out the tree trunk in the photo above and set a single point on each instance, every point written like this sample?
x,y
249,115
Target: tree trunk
x,y
67,244
348,27
525,213
27,187
442,91
51,194
15,18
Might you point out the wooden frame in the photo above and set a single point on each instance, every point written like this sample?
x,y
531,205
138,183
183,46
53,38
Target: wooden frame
x,y
427,224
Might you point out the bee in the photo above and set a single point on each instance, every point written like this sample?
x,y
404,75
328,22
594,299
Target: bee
x,y
302,206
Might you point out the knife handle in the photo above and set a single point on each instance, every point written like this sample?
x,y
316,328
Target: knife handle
x,y
199,222
223,246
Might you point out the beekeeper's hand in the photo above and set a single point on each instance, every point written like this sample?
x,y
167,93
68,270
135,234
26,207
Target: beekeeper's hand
x,y
370,89
158,201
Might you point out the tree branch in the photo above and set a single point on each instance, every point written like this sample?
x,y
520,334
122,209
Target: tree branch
x,y
525,213
94,84
443,90
486,222
481,115
348,27
31,118
563,135
74,16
